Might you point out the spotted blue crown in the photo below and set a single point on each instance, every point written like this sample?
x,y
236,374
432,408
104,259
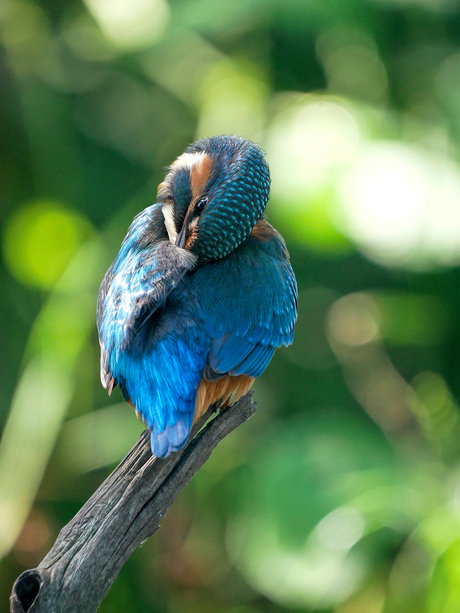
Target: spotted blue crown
x,y
238,190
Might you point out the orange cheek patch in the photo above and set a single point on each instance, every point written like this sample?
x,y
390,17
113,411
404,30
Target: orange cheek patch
x,y
199,176
191,239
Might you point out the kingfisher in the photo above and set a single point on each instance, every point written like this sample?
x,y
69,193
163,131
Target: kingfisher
x,y
200,294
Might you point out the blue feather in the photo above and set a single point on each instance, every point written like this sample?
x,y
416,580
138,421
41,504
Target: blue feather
x,y
168,316
249,302
152,333
256,362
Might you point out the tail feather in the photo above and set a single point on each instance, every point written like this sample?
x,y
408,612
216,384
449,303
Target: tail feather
x,y
172,438
175,435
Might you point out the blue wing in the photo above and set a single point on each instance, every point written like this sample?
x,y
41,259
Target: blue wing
x,y
152,336
249,302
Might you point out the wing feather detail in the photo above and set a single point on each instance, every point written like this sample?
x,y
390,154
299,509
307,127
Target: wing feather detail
x,y
249,302
153,341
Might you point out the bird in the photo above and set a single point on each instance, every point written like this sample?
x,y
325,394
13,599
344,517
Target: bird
x,y
200,294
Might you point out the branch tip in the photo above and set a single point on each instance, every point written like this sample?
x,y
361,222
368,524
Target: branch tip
x,y
25,591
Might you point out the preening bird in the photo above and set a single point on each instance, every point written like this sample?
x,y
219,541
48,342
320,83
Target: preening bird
x,y
200,294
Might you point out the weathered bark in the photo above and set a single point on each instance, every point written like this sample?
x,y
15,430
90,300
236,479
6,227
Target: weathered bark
x,y
128,507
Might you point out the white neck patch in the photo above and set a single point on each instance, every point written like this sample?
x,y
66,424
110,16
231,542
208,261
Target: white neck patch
x,y
167,211
186,160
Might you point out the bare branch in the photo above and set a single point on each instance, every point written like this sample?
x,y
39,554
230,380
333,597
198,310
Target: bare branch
x,y
128,507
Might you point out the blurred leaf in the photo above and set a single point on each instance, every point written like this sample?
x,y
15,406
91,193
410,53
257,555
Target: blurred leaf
x,y
292,536
40,240
310,225
444,593
98,439
411,319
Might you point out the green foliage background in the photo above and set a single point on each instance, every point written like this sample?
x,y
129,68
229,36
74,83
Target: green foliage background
x,y
343,493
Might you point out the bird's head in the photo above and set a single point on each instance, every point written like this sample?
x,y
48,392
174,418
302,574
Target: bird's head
x,y
213,195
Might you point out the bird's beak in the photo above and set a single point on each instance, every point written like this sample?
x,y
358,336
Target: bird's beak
x,y
182,237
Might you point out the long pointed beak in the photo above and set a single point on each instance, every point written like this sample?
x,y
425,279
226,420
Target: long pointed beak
x,y
182,237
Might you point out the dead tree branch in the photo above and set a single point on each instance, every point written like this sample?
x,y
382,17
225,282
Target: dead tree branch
x,y
128,507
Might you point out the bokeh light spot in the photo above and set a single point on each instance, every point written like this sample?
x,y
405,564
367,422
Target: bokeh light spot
x,y
341,529
401,205
25,34
311,138
311,141
131,23
35,534
351,63
354,320
308,222
39,241
232,97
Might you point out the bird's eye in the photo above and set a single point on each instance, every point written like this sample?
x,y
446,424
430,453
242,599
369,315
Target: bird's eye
x,y
201,203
